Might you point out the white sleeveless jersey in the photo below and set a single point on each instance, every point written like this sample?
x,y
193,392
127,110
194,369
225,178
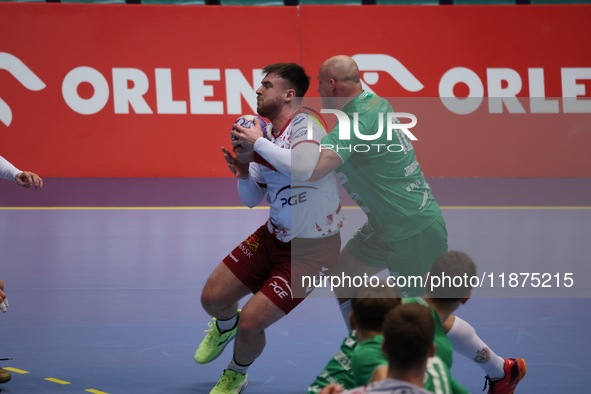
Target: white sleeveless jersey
x,y
299,209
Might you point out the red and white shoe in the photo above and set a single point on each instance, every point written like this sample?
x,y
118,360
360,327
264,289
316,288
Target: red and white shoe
x,y
515,369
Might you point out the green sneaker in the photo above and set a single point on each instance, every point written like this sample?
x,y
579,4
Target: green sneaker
x,y
214,342
231,382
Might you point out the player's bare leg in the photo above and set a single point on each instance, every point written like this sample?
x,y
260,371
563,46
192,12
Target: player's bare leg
x,y
220,298
258,314
222,292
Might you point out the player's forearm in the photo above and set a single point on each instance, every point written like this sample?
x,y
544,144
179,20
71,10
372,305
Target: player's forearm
x,y
7,170
279,158
298,163
327,162
251,194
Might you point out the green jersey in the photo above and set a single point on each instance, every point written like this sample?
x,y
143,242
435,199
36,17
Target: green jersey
x,y
367,357
338,369
439,379
381,172
354,364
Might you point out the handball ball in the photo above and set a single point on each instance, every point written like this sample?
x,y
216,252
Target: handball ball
x,y
247,121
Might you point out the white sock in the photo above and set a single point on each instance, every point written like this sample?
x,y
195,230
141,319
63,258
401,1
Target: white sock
x,y
234,366
466,342
346,309
227,325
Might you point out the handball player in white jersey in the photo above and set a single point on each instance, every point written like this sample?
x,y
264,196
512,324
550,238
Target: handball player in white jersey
x,y
300,238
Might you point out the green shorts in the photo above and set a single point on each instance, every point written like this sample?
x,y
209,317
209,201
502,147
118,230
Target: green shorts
x,y
409,257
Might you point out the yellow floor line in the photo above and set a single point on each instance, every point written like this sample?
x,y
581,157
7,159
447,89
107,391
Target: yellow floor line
x,y
57,381
95,391
15,370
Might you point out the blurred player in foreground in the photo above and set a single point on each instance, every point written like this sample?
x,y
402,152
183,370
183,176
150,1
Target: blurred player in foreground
x,y
301,236
360,360
443,301
408,343
367,362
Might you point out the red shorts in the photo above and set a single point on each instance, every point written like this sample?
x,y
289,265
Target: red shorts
x,y
263,263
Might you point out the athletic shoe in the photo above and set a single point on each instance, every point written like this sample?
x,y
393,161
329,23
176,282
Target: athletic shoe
x,y
214,342
515,369
231,382
4,376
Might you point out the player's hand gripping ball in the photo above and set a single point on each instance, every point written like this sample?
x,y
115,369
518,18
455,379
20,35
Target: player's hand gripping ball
x,y
247,121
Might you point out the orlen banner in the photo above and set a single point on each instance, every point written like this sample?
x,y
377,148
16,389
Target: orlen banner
x,y
141,91
132,91
485,62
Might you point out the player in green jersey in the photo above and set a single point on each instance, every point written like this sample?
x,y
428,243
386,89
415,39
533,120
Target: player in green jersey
x,y
352,366
408,343
370,306
338,369
368,363
443,302
405,231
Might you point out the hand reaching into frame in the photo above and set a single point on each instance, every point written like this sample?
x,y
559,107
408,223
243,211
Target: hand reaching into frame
x,y
28,179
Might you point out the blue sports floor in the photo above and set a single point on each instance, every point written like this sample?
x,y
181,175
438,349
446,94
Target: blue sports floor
x,y
104,278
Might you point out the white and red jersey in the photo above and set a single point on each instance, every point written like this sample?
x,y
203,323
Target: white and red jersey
x,y
298,208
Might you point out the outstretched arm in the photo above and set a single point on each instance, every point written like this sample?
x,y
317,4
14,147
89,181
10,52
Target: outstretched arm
x,y
7,170
23,178
328,161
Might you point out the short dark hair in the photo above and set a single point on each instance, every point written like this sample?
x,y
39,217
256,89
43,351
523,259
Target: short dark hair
x,y
293,73
372,304
445,268
408,335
